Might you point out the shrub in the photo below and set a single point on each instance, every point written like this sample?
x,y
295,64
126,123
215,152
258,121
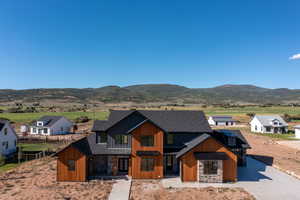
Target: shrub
x,y
2,160
82,119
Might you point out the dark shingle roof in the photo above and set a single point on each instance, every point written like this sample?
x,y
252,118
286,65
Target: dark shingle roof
x,y
47,120
169,121
222,135
195,142
223,118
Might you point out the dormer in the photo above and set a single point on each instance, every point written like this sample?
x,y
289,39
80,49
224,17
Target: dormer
x,y
276,122
40,123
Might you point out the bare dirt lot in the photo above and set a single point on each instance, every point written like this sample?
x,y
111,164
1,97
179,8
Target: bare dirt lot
x,y
268,150
37,180
153,190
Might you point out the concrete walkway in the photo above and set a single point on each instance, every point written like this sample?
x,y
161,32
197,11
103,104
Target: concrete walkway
x,y
262,181
120,190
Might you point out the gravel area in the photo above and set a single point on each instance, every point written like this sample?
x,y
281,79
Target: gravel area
x,y
269,151
36,180
153,190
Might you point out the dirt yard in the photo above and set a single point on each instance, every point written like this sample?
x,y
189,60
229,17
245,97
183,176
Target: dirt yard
x,y
271,152
153,190
37,180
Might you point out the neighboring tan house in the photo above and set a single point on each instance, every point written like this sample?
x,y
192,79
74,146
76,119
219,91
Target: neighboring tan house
x,y
221,121
268,124
8,138
297,131
51,125
146,144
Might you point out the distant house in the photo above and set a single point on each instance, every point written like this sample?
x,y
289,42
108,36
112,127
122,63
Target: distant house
x,y
8,138
268,124
297,131
51,125
221,121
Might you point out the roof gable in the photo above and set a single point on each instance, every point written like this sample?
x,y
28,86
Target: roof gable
x,y
267,120
47,120
169,121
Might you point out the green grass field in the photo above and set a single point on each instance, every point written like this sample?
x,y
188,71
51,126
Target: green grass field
x,y
35,146
8,167
28,117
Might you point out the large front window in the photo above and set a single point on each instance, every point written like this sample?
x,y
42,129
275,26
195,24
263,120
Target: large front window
x,y
121,139
210,167
147,164
147,140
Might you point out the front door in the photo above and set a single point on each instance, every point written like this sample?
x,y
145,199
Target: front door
x,y
123,164
275,130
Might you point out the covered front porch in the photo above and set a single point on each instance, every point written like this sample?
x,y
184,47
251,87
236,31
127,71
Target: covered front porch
x,y
100,166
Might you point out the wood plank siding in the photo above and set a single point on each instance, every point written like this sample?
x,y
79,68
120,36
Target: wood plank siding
x,y
79,174
189,162
147,129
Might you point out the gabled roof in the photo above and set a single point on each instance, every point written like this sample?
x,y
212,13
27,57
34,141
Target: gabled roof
x,y
266,120
168,120
47,120
195,142
223,118
221,135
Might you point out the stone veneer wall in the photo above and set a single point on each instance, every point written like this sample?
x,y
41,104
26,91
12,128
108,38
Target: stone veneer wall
x,y
213,178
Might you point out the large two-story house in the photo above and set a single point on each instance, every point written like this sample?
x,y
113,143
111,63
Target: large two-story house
x,y
147,144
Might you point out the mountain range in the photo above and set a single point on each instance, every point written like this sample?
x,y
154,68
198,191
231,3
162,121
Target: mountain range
x,y
233,94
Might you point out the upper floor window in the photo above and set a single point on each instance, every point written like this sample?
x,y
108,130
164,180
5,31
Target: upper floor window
x,y
147,140
40,123
170,138
101,137
5,131
71,165
121,139
231,141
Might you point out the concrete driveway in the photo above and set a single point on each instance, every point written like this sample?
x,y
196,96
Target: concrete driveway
x,y
267,183
262,181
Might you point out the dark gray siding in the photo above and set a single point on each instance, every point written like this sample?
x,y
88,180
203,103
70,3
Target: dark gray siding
x,y
122,128
180,139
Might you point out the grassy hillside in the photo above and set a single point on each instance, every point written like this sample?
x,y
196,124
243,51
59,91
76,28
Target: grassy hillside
x,y
235,94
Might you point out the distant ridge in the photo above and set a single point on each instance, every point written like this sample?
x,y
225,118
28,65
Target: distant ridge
x,y
234,94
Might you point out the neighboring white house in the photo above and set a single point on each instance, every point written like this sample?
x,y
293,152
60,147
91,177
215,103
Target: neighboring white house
x,y
221,121
297,131
268,124
8,138
51,125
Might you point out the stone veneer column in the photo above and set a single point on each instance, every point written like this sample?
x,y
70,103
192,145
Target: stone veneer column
x,y
213,178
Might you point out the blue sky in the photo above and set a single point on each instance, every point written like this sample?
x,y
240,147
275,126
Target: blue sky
x,y
72,43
